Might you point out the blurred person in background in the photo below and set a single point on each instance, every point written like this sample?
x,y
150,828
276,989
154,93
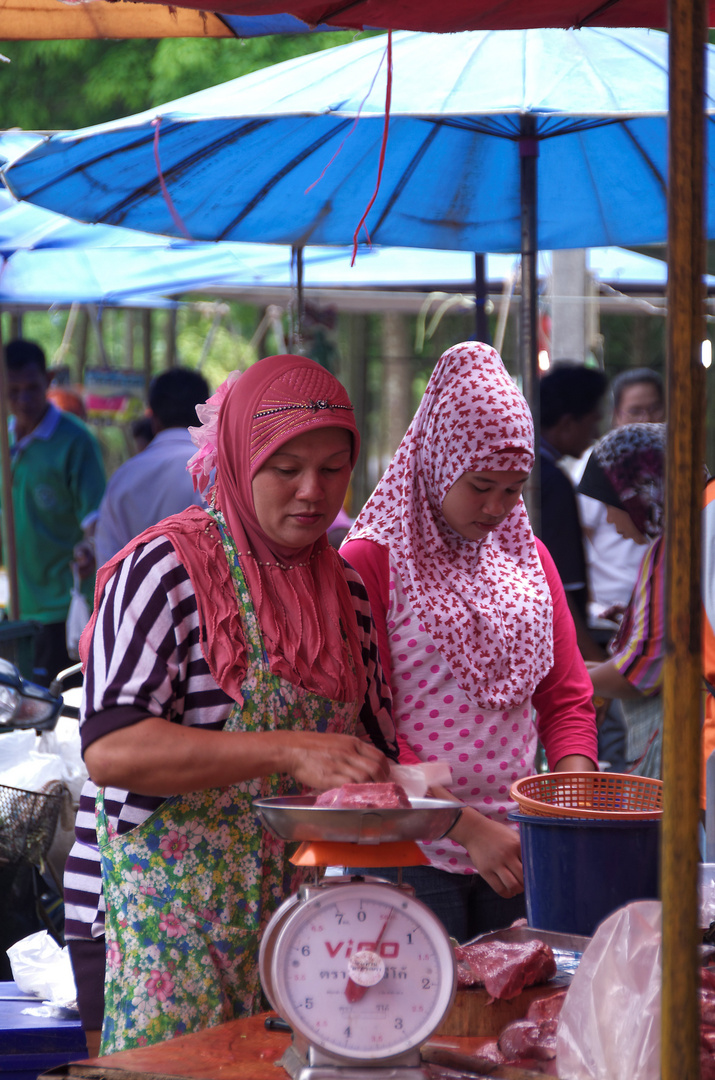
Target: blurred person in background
x,y
571,401
612,559
154,484
626,473
57,484
142,433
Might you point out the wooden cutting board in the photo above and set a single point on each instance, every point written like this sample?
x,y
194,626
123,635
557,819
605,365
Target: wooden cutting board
x,y
475,1014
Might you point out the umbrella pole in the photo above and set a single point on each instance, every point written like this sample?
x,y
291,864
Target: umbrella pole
x,y
684,493
9,547
528,155
298,304
481,324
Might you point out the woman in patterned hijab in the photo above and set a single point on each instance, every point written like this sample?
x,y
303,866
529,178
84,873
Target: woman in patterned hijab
x,y
473,627
626,471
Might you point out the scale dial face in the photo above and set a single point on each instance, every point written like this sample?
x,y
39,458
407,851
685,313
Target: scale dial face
x,y
405,972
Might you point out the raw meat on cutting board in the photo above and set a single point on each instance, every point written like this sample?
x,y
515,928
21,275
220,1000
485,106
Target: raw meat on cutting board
x,y
504,968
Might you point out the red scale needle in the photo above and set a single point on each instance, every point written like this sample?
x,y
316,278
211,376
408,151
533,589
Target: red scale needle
x,y
354,992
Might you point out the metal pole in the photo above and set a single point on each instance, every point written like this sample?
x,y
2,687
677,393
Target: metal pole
x,y
481,322
528,348
9,547
684,497
298,305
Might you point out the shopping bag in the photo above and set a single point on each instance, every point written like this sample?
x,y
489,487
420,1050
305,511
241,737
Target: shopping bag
x,y
77,616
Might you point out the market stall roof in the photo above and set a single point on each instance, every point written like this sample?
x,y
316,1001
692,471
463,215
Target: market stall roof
x,y
45,20
449,15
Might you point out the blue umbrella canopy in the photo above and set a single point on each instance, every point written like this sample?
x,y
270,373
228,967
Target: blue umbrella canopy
x,y
241,160
48,259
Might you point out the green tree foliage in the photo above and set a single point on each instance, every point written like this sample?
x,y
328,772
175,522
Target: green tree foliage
x,y
51,85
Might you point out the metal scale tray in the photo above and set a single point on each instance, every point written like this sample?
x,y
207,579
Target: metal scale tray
x,y
296,817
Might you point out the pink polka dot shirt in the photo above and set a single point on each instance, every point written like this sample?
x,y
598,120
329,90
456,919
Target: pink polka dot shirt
x,y
486,750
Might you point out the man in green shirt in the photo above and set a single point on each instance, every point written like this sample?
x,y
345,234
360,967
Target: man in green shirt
x,y
57,485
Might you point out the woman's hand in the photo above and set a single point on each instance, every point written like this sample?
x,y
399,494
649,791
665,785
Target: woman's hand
x,y
323,761
608,682
494,848
156,757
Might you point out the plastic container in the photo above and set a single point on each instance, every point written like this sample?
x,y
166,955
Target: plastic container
x,y
32,1044
577,870
613,796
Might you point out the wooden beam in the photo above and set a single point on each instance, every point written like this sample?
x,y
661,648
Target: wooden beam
x,y
682,691
45,20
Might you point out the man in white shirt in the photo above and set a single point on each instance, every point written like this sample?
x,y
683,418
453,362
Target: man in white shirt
x,y
154,483
613,560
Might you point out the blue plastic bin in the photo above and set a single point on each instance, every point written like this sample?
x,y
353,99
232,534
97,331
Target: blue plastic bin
x,y
30,1045
579,870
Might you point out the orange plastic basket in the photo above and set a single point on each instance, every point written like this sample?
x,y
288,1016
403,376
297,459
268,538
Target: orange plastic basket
x,y
615,796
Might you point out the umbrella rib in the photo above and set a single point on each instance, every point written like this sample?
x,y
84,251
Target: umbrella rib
x,y
174,172
595,13
647,159
406,175
317,144
67,173
562,125
644,157
334,12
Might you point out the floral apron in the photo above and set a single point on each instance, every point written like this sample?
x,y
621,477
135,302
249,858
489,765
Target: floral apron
x,y
190,890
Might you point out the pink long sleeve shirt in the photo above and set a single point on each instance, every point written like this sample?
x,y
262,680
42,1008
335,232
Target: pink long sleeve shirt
x,y
487,750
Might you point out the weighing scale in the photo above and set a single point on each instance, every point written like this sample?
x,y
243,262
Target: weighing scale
x,y
362,971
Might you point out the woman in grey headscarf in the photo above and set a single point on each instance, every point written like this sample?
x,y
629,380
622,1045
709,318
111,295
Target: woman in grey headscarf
x,y
626,471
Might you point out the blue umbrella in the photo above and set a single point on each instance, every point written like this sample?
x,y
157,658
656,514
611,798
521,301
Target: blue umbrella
x,y
238,159
473,118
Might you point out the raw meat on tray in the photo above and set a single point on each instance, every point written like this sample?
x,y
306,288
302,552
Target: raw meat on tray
x,y
365,797
504,968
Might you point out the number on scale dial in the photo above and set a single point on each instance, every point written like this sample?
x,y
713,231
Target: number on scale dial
x,y
363,971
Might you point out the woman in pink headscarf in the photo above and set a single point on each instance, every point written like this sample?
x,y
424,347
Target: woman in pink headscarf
x,y
231,655
473,627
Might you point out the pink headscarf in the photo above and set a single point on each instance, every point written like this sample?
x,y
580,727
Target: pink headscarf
x,y
302,598
486,603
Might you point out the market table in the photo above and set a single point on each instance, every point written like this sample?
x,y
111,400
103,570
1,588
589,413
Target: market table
x,y
236,1050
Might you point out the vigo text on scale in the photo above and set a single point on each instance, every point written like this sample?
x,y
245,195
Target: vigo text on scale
x,y
362,971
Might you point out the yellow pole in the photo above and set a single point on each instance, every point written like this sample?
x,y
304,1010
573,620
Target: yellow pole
x,y
684,486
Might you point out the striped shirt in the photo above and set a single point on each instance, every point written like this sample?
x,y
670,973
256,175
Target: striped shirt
x,y
146,659
638,649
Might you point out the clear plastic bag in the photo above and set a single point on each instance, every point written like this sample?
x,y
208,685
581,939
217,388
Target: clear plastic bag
x,y
416,779
77,616
609,1027
40,967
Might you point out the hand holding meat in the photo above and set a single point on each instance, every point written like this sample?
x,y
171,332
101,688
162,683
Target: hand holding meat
x,y
322,761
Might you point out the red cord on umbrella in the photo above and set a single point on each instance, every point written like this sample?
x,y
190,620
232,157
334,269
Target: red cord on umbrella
x,y
352,128
156,124
383,148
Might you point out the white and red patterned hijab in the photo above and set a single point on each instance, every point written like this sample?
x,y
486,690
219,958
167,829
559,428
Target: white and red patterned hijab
x,y
486,603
